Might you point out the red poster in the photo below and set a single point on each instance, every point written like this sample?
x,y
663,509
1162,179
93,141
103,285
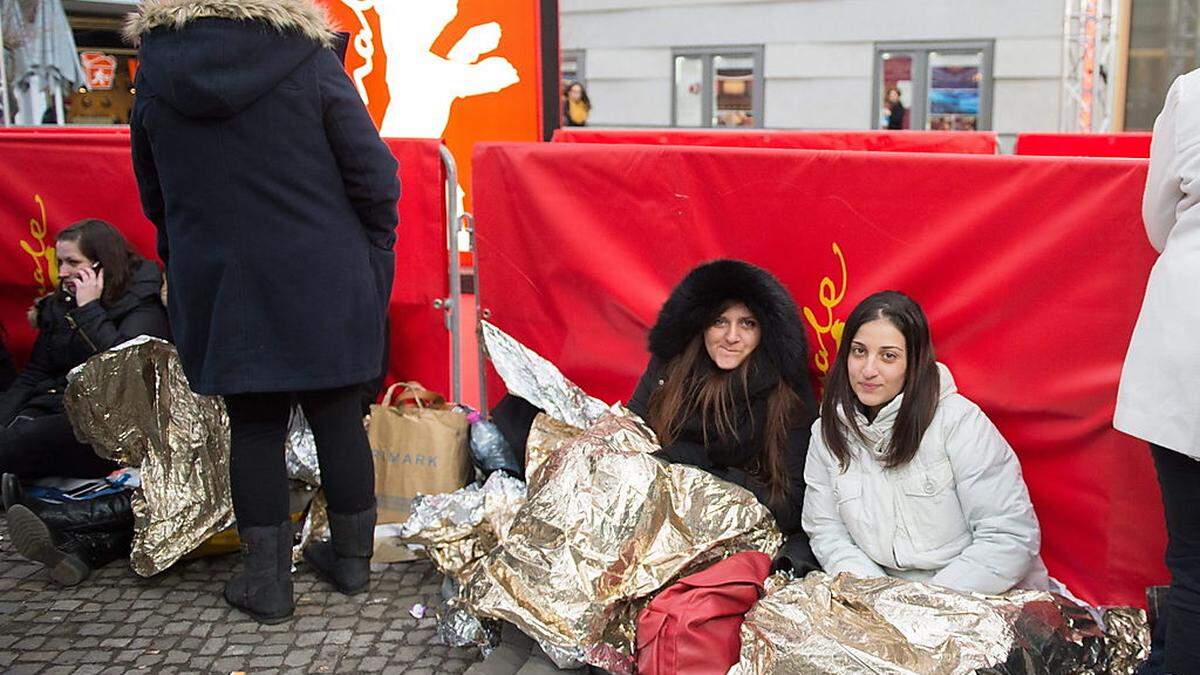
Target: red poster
x,y
1031,271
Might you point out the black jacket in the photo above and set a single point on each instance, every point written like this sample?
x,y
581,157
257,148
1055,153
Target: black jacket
x,y
8,372
274,197
690,308
69,335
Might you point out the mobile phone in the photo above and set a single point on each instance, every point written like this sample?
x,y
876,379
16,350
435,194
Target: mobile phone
x,y
96,265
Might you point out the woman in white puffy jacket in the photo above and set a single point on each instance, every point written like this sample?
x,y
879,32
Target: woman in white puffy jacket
x,y
908,478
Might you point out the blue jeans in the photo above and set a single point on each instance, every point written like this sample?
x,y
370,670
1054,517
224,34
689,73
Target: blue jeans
x,y
1179,477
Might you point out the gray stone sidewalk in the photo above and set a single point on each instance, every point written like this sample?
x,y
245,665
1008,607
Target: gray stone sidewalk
x,y
177,622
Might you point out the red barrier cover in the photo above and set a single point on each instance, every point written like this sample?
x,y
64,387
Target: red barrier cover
x,y
52,178
1131,144
1032,291
963,142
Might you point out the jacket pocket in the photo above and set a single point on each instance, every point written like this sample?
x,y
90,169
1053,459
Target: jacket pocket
x,y
930,507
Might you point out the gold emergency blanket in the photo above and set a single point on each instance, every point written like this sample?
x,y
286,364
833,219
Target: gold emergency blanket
x,y
841,625
133,405
605,526
458,528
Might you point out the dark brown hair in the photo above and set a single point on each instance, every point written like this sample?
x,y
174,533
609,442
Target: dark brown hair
x,y
691,382
100,242
921,381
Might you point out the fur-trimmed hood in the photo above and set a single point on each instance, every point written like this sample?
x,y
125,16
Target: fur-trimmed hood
x,y
214,58
299,16
696,300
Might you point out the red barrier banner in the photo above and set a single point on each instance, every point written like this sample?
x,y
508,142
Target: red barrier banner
x,y
1032,291
1132,144
963,142
50,179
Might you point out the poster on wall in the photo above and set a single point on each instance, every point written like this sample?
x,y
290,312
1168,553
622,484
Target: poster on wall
x,y
460,70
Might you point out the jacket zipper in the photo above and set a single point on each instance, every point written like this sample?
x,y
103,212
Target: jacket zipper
x,y
75,327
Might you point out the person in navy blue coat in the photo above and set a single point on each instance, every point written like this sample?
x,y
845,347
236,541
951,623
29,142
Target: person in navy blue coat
x,y
275,202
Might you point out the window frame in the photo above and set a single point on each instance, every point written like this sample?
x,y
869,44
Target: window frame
x,y
707,102
580,57
920,51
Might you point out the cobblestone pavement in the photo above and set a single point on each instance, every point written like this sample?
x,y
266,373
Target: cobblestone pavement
x,y
117,622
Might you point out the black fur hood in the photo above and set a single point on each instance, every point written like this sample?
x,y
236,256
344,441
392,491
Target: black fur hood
x,y
695,301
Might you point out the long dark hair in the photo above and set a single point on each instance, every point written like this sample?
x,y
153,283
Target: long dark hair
x,y
921,381
692,382
99,241
582,93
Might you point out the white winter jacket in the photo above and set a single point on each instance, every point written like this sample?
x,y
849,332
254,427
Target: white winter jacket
x,y
1159,401
957,515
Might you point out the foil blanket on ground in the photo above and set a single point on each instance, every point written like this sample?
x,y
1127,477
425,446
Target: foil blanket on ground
x,y
605,526
133,405
822,624
458,528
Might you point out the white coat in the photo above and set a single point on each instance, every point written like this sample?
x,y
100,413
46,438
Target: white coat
x,y
1159,400
957,515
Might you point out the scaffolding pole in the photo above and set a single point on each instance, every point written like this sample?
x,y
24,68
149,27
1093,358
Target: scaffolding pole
x,y
1091,54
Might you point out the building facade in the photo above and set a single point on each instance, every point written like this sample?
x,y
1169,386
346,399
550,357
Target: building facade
x,y
818,64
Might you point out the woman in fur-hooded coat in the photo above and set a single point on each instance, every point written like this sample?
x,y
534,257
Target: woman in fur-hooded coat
x,y
275,202
744,415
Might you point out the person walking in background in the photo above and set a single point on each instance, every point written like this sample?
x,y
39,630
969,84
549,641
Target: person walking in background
x,y
576,105
275,203
895,109
1158,400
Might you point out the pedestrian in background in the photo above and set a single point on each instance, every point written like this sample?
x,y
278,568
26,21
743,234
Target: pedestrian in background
x,y
576,105
275,203
1158,400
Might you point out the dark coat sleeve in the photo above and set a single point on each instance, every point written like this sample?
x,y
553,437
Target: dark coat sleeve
x,y
36,370
149,188
639,402
367,166
149,318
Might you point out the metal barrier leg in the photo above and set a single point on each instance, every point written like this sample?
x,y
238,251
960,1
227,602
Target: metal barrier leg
x,y
480,314
453,305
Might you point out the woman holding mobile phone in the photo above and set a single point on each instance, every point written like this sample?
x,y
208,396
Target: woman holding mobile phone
x,y
107,294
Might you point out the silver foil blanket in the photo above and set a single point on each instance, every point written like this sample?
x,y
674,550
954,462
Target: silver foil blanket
x,y
605,526
533,378
839,625
133,405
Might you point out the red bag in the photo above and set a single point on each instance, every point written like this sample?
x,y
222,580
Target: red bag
x,y
694,626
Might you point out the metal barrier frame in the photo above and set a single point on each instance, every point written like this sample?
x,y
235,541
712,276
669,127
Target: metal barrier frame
x,y
453,304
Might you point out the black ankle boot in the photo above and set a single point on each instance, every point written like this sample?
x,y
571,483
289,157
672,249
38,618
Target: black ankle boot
x,y
10,491
263,589
59,552
346,561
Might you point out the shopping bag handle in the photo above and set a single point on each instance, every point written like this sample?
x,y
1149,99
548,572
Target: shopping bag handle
x,y
413,391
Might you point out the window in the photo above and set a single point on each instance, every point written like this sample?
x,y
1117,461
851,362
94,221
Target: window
x,y
717,87
939,86
1163,45
572,65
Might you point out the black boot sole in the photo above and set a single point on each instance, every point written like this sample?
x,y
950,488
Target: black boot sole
x,y
266,620
33,540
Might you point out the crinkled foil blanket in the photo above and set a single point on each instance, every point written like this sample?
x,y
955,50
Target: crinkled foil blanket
x,y
839,625
605,524
133,405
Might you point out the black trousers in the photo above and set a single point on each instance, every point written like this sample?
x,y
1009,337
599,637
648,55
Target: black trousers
x,y
1179,477
257,466
46,446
